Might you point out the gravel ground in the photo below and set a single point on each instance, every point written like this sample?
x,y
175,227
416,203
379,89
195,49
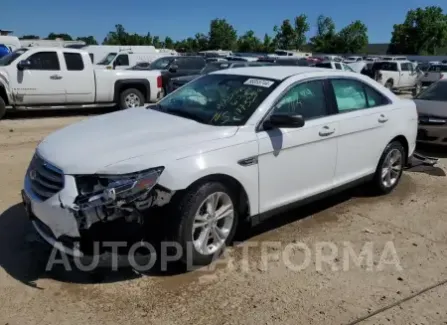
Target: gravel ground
x,y
409,225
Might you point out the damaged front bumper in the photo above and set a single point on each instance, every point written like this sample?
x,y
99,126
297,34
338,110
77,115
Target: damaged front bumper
x,y
63,217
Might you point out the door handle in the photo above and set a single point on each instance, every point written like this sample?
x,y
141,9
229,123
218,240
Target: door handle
x,y
382,119
325,131
56,77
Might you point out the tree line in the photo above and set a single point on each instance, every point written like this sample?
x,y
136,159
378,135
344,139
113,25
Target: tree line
x,y
423,32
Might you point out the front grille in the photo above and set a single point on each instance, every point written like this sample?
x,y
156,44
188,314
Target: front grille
x,y
45,179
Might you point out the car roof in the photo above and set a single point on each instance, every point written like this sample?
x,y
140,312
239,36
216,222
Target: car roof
x,y
274,72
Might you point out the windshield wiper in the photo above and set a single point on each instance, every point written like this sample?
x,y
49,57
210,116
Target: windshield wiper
x,y
186,114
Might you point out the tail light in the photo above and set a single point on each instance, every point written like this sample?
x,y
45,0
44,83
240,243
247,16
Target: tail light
x,y
159,82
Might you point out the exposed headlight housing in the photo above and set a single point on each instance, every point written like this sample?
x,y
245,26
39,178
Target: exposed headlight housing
x,y
97,190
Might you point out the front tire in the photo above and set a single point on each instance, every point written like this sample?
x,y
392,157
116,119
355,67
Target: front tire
x,y
205,221
2,108
389,169
130,98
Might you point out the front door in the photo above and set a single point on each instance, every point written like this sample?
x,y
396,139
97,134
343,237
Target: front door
x,y
42,82
295,163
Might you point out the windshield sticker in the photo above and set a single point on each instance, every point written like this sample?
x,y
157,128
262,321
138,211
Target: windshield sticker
x,y
259,82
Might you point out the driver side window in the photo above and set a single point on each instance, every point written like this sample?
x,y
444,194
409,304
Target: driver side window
x,y
306,99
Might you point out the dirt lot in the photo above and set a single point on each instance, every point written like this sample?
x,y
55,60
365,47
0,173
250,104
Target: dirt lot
x,y
412,220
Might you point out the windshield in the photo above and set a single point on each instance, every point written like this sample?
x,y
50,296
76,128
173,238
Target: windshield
x,y
9,58
210,67
348,68
386,66
437,91
108,59
218,99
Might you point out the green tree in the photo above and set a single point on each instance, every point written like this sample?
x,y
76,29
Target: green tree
x,y
117,37
424,31
326,38
222,35
156,42
65,37
352,39
267,45
30,37
285,37
168,42
89,40
301,28
201,42
249,42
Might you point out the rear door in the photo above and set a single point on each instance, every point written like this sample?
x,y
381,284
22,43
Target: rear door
x,y
43,82
405,75
79,82
363,119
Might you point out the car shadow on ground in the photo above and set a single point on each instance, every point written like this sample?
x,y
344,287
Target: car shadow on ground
x,y
25,256
31,114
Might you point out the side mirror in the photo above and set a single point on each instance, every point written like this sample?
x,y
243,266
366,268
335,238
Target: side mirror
x,y
284,121
23,65
173,68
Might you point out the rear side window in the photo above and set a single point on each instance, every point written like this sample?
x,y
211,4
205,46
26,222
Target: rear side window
x,y
352,95
44,61
405,66
324,65
438,68
74,61
338,66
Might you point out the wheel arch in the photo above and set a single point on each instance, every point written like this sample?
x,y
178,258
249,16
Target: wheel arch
x,y
403,140
142,85
229,181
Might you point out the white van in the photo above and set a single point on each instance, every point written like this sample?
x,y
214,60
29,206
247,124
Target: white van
x,y
126,59
11,42
99,52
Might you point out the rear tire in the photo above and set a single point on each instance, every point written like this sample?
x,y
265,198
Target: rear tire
x,y
389,85
2,108
130,98
390,168
192,211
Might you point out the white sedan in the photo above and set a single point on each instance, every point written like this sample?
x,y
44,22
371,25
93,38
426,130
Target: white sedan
x,y
233,146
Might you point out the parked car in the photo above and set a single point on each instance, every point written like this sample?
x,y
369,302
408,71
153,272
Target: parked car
x,y
286,61
210,67
60,77
396,74
352,59
434,73
141,66
334,65
172,67
432,109
287,136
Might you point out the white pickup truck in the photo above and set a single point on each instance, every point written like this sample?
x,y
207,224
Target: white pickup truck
x,y
396,74
55,78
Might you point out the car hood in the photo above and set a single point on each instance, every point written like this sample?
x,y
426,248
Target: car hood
x,y
431,108
185,79
90,146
